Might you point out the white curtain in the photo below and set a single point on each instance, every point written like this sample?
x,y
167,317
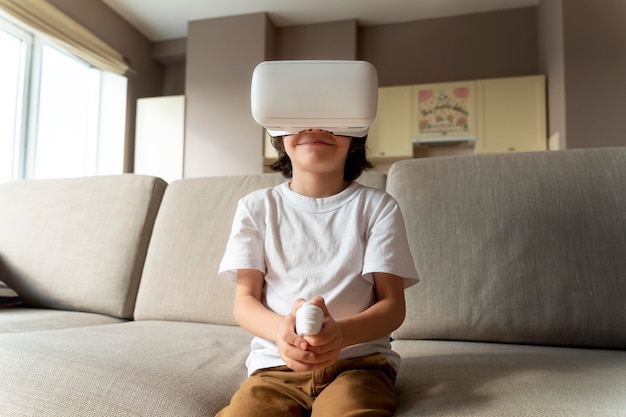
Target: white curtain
x,y
67,33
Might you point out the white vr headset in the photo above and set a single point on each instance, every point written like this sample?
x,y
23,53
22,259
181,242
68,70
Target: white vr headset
x,y
290,96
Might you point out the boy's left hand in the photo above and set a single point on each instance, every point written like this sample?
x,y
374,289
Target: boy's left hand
x,y
327,344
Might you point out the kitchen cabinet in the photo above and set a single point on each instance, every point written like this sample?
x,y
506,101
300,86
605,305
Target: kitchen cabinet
x,y
269,152
511,115
492,115
390,133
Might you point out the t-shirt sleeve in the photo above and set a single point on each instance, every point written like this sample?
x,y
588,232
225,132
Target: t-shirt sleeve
x,y
244,249
387,247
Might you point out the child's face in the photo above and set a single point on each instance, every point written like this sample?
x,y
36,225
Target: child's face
x,y
317,151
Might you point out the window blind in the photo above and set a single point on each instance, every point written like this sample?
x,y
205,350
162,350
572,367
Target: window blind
x,y
59,28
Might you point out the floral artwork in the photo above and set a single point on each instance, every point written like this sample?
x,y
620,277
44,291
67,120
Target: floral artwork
x,y
443,111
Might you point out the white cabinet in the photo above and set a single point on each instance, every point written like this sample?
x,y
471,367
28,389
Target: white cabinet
x,y
511,115
159,137
390,133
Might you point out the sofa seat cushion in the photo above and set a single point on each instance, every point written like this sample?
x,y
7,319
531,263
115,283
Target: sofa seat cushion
x,y
20,319
148,368
446,378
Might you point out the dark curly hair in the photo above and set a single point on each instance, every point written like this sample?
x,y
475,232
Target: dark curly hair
x,y
356,162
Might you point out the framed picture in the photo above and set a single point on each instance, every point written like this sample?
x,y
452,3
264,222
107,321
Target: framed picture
x,y
444,111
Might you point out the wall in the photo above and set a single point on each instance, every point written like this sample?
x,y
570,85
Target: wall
x,y
147,79
334,40
594,36
552,63
172,54
484,45
583,53
221,136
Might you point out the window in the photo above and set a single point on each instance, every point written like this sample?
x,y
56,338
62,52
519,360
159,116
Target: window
x,y
59,117
13,48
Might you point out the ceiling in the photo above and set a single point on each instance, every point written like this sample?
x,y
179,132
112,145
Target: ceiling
x,y
167,19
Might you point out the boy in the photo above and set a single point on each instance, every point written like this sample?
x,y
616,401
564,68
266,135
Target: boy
x,y
323,238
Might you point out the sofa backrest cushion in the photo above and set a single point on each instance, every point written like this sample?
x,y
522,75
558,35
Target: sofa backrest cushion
x,y
180,279
80,243
523,248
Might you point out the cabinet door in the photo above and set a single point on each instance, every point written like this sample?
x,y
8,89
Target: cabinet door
x,y
269,152
444,112
390,133
511,115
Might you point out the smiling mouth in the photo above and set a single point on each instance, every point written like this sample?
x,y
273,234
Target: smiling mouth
x,y
314,137
314,142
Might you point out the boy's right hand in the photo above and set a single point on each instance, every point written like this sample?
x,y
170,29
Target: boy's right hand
x,y
294,349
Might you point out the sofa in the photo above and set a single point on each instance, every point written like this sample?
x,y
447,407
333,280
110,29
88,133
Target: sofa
x,y
520,310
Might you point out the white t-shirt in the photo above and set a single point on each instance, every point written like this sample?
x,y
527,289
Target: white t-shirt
x,y
319,246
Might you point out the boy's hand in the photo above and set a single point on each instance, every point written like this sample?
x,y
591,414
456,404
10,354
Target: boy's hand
x,y
310,352
293,349
327,344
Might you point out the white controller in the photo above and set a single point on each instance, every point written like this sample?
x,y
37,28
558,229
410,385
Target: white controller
x,y
309,319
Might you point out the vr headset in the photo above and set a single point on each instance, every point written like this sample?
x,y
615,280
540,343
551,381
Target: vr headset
x,y
290,96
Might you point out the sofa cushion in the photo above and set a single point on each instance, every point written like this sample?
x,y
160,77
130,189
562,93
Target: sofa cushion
x,y
165,369
8,297
180,279
445,379
525,248
77,244
24,319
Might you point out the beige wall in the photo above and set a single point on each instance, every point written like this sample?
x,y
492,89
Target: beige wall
x,y
552,64
484,45
583,53
333,40
594,35
172,54
221,136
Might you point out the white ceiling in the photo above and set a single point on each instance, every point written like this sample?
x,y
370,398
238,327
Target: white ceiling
x,y
167,19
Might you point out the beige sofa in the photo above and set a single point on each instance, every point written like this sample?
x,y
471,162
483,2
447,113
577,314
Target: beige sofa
x,y
520,311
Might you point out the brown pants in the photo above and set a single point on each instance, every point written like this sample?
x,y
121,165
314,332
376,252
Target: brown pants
x,y
352,387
